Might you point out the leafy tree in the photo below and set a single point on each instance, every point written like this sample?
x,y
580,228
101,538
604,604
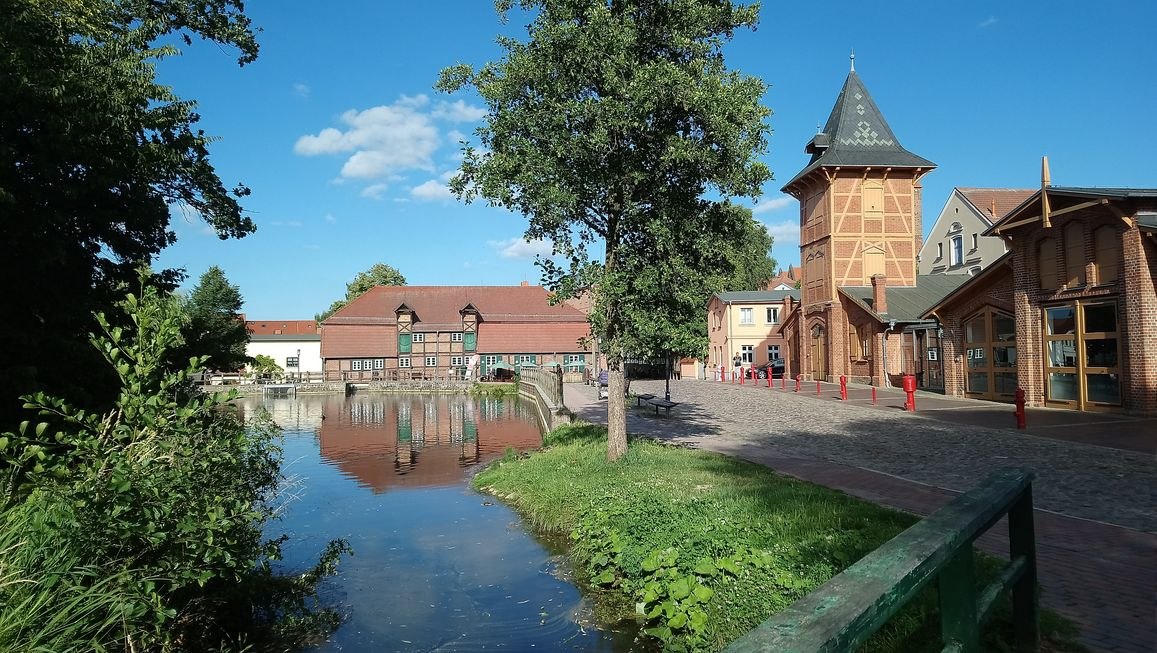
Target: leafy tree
x,y
215,328
265,366
378,275
617,123
94,154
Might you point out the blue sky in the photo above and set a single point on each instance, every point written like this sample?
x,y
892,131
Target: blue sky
x,y
346,146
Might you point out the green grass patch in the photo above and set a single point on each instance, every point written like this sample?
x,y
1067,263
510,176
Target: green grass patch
x,y
702,547
494,390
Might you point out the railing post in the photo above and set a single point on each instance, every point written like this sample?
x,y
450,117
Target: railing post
x,y
1025,606
959,629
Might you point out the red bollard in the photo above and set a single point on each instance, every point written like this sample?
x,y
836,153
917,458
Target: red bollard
x,y
910,390
742,373
873,395
1020,423
817,387
797,378
783,381
843,388
768,377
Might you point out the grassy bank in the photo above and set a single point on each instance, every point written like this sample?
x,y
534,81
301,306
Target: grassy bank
x,y
703,545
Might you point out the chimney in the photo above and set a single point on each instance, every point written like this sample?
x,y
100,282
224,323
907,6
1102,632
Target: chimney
x,y
524,283
879,293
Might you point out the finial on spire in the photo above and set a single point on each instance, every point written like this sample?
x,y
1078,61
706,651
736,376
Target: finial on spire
x,y
853,58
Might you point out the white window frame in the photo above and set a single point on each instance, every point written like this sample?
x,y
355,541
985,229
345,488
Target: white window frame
x,y
957,251
356,365
457,361
491,359
747,352
431,361
526,359
975,242
403,361
939,251
379,363
773,317
746,316
292,361
419,337
456,337
772,352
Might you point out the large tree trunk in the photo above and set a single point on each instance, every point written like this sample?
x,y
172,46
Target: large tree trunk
x,y
616,410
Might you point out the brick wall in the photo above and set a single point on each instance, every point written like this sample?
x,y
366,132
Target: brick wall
x,y
1139,279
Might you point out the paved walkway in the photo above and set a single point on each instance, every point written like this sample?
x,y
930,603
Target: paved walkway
x,y
1095,516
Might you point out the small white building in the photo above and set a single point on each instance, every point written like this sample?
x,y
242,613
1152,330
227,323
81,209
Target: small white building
x,y
295,345
956,244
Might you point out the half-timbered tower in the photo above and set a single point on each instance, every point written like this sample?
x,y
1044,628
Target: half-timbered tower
x,y
860,232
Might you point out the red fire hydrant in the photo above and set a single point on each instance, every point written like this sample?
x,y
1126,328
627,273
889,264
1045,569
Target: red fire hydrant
x,y
910,390
843,387
1020,424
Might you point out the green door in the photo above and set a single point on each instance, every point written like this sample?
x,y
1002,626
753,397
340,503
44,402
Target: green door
x,y
469,340
404,343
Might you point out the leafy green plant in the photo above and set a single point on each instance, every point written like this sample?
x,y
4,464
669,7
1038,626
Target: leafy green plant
x,y
168,491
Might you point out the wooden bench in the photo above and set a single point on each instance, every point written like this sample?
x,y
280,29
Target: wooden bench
x,y
662,403
639,399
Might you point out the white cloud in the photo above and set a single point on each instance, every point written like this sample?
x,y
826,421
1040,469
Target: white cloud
x,y
330,218
988,22
383,139
375,191
448,175
520,248
431,190
301,90
773,204
783,233
458,112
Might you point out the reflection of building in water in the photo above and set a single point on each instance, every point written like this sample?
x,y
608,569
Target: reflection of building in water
x,y
286,413
410,440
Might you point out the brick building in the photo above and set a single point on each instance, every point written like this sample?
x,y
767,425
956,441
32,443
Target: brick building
x,y
433,331
862,301
1070,313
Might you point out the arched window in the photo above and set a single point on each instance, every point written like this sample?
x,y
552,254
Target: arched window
x,y
1108,254
1074,254
1046,262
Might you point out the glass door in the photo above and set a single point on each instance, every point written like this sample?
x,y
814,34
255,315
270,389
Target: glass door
x,y
1081,368
990,343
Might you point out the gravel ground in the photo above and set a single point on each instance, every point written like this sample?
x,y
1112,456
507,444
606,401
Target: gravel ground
x,y
1075,479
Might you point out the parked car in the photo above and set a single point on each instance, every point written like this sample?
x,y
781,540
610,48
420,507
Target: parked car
x,y
775,367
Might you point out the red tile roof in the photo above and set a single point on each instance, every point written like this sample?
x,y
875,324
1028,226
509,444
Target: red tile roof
x,y
358,340
282,327
441,305
995,203
528,338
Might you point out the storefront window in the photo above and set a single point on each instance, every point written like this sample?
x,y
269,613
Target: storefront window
x,y
990,348
1082,357
1062,386
1100,318
1060,320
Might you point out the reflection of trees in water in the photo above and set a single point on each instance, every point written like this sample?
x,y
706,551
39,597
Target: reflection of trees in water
x,y
386,441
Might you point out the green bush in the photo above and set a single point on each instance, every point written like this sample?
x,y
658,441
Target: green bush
x,y
160,503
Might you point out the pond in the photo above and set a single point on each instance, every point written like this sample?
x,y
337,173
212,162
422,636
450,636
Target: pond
x,y
436,566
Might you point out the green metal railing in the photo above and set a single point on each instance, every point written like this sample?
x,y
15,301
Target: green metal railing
x,y
844,612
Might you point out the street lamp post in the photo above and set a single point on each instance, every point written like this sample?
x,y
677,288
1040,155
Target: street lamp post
x,y
667,394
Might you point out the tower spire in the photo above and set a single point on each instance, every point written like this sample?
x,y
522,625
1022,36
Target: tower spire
x,y
853,59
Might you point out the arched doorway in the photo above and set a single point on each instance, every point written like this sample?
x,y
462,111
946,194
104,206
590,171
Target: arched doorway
x,y
819,357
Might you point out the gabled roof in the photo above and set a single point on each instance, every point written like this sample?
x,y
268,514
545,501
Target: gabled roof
x,y
857,135
1002,265
1147,221
992,204
439,306
756,296
1057,197
907,304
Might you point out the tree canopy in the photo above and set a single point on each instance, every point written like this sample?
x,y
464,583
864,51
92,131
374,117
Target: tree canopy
x,y
618,124
379,274
94,154
214,326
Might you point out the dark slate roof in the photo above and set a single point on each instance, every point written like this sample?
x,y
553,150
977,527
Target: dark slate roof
x,y
1147,221
754,296
908,304
856,134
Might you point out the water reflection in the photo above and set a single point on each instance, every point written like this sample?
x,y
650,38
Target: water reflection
x,y
435,567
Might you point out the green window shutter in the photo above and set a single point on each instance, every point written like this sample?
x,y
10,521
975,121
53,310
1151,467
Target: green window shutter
x,y
533,359
404,343
469,431
469,341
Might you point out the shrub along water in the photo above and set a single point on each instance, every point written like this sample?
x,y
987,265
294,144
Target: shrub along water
x,y
699,546
141,528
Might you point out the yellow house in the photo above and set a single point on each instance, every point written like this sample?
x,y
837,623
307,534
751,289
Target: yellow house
x,y
745,324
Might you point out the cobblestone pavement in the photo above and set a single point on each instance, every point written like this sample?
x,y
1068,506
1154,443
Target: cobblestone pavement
x,y
1095,508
